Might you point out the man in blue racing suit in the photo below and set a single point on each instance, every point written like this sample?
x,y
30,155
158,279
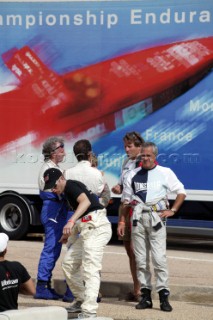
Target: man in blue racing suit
x,y
53,218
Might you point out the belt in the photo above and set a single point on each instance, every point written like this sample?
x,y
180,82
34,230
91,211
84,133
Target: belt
x,y
88,217
141,208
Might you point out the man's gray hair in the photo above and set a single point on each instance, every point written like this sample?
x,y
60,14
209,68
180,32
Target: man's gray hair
x,y
49,146
151,144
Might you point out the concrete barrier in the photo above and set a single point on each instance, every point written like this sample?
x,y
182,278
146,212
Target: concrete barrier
x,y
35,313
98,318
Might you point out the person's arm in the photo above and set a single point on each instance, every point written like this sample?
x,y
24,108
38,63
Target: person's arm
x,y
105,196
123,212
175,186
41,178
101,182
117,189
178,202
28,287
83,205
176,206
125,204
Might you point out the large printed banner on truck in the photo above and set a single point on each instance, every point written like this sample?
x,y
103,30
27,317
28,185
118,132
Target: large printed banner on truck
x,y
97,69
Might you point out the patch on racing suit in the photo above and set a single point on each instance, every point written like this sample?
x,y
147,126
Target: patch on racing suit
x,y
134,223
86,218
158,226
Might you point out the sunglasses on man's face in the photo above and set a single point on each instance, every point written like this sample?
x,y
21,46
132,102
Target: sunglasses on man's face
x,y
60,146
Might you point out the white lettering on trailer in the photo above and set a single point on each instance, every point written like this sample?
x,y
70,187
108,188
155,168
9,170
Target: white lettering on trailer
x,y
101,18
199,106
137,16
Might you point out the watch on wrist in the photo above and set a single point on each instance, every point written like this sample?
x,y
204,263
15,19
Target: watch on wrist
x,y
174,210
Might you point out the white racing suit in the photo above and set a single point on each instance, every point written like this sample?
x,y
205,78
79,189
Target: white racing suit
x,y
87,244
149,234
150,188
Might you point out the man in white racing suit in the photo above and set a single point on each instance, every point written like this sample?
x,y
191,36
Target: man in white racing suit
x,y
146,188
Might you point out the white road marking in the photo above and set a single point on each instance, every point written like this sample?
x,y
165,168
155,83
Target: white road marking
x,y
189,259
169,257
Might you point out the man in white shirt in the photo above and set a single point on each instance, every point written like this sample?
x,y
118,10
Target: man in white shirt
x,y
146,189
83,170
93,179
132,144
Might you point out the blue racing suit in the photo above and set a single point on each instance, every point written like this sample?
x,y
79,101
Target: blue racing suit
x,y
53,218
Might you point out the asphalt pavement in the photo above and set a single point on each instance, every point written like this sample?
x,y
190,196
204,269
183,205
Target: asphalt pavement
x,y
191,283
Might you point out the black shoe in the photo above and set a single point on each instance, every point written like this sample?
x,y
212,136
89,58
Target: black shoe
x,y
99,297
164,303
146,300
75,307
165,306
144,304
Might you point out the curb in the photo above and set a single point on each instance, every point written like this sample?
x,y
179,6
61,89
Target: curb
x,y
119,290
96,318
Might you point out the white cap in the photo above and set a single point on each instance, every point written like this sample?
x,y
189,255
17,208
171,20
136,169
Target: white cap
x,y
3,241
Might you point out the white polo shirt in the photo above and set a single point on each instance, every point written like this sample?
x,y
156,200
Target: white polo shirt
x,y
91,177
47,165
128,166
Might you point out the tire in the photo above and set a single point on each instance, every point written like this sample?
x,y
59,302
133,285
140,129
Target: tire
x,y
14,217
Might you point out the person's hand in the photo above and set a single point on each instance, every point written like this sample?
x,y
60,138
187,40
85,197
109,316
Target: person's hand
x,y
121,229
63,239
166,213
117,189
68,228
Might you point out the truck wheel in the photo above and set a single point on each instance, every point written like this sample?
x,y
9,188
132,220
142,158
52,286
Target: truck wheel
x,y
14,217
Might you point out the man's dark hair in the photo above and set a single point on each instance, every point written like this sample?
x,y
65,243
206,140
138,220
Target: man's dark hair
x,y
134,137
82,149
2,254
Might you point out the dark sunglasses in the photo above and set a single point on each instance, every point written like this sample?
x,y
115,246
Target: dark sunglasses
x,y
60,146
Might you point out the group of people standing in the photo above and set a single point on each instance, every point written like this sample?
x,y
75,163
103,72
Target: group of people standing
x,y
144,202
83,192
74,212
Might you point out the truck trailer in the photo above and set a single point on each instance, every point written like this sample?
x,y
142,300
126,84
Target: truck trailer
x,y
96,70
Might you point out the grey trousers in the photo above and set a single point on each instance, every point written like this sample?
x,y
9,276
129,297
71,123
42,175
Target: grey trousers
x,y
146,240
